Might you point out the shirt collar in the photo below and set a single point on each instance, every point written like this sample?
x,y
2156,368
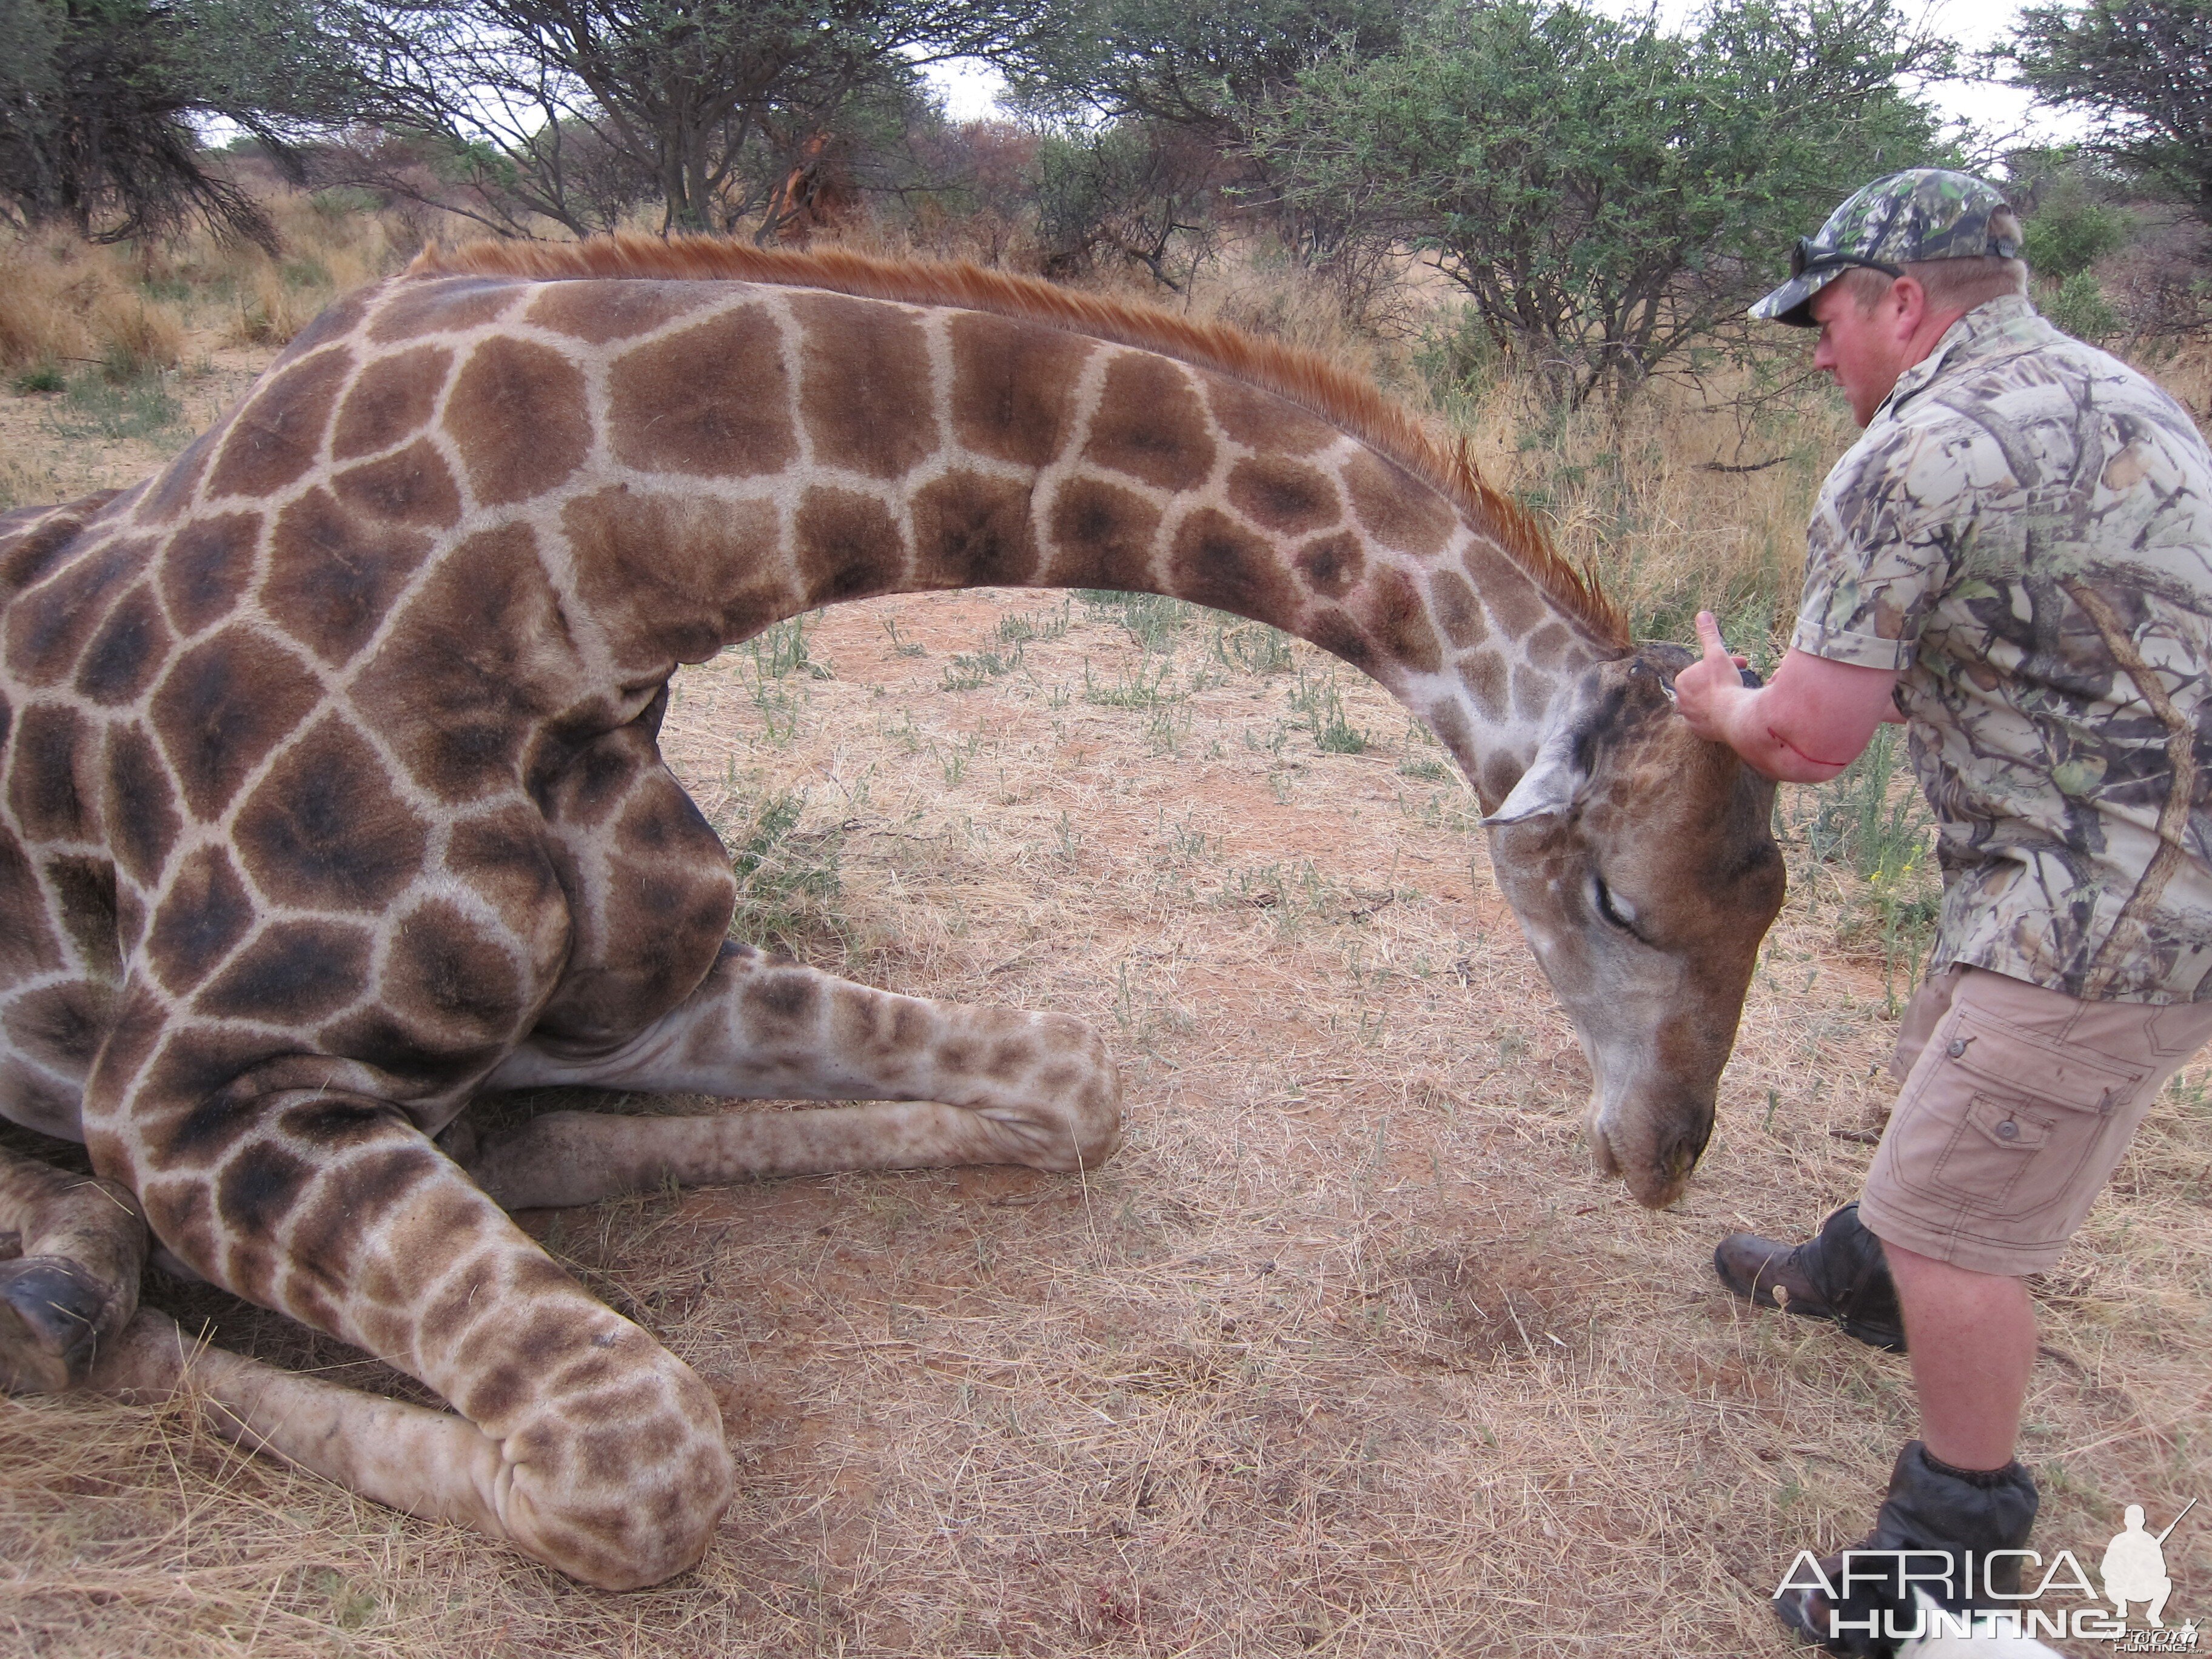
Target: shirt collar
x,y
1990,327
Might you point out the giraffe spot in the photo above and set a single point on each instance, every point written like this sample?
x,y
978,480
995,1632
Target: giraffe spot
x,y
500,858
59,1026
1337,635
47,628
205,567
44,792
1102,537
1280,495
362,1182
1484,676
464,1295
196,1111
1333,564
489,1399
1013,387
672,578
38,1100
714,400
410,488
517,414
1262,421
141,807
447,978
781,1002
864,373
1217,561
973,531
389,398
604,311
1150,424
278,434
295,972
136,1028
26,946
1532,693
1458,612
1515,602
121,660
481,657
398,1053
84,899
1548,645
205,912
222,706
848,546
170,491
1499,774
332,576
1449,721
1398,621
258,1187
32,540
334,321
595,776
1398,509
324,829
181,1212
452,305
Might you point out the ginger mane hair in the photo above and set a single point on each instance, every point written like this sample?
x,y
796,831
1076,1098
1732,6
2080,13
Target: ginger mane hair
x,y
1345,401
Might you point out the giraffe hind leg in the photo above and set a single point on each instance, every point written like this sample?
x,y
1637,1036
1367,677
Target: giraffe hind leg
x,y
70,1284
949,1085
574,1435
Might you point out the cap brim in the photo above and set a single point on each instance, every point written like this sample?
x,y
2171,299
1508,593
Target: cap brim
x,y
1787,303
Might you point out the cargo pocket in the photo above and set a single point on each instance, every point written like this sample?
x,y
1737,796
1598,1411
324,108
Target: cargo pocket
x,y
2035,1112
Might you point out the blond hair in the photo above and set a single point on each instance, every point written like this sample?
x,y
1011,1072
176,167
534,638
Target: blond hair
x,y
1952,284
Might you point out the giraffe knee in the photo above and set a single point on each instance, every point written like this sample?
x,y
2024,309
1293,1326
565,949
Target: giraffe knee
x,y
621,1485
1081,1078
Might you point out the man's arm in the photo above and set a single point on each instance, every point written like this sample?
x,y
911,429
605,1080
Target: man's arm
x,y
1804,726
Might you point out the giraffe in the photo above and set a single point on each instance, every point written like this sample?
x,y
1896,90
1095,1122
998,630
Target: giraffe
x,y
331,798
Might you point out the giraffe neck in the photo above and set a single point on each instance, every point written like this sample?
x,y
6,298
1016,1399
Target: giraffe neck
x,y
851,447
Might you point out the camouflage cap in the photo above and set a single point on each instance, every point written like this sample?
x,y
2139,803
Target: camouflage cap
x,y
1926,213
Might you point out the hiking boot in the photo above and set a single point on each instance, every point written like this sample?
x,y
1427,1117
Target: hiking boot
x,y
1839,1274
1951,1519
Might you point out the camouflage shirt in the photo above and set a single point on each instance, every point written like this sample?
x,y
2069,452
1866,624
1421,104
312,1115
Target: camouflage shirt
x,y
2025,530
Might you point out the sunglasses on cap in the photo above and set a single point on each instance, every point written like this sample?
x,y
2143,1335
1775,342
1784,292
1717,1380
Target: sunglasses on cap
x,y
1809,256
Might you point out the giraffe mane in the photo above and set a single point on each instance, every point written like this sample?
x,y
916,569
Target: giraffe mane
x,y
1346,400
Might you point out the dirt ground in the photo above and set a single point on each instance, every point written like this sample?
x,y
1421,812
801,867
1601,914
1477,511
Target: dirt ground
x,y
1348,1352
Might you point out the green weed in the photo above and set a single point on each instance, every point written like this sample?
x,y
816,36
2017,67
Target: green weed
x,y
787,879
96,407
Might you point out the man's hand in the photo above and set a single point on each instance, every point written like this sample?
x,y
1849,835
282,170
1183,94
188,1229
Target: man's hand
x,y
1804,726
1708,688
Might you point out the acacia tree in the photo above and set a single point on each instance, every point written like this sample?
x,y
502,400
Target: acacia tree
x,y
98,98
2142,70
692,101
1605,192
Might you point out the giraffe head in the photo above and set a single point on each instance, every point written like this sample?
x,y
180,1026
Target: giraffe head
x,y
1642,865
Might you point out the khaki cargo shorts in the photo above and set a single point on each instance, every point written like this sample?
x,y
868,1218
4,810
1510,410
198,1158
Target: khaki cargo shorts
x,y
2017,1102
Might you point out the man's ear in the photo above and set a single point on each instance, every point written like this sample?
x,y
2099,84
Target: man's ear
x,y
1907,304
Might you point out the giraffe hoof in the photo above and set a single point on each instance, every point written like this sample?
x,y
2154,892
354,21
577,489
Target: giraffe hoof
x,y
51,1312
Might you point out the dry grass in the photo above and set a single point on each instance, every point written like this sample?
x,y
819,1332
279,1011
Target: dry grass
x,y
1348,1352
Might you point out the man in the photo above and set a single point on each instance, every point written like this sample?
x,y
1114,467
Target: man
x,y
2015,560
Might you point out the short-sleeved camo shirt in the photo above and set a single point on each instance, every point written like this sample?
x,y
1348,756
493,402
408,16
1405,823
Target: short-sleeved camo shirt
x,y
2026,530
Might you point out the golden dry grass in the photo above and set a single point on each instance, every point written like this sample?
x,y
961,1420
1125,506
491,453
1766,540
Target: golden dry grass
x,y
1348,1352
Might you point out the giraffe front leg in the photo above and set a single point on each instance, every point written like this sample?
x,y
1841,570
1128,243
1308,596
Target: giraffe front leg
x,y
953,1084
70,1282
579,1439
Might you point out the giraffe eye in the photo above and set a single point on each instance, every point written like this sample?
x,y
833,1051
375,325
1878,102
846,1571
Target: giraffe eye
x,y
1618,911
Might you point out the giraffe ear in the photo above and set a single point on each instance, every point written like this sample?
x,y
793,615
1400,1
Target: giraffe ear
x,y
1550,785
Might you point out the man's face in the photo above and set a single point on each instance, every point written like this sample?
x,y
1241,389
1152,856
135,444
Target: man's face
x,y
1864,350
